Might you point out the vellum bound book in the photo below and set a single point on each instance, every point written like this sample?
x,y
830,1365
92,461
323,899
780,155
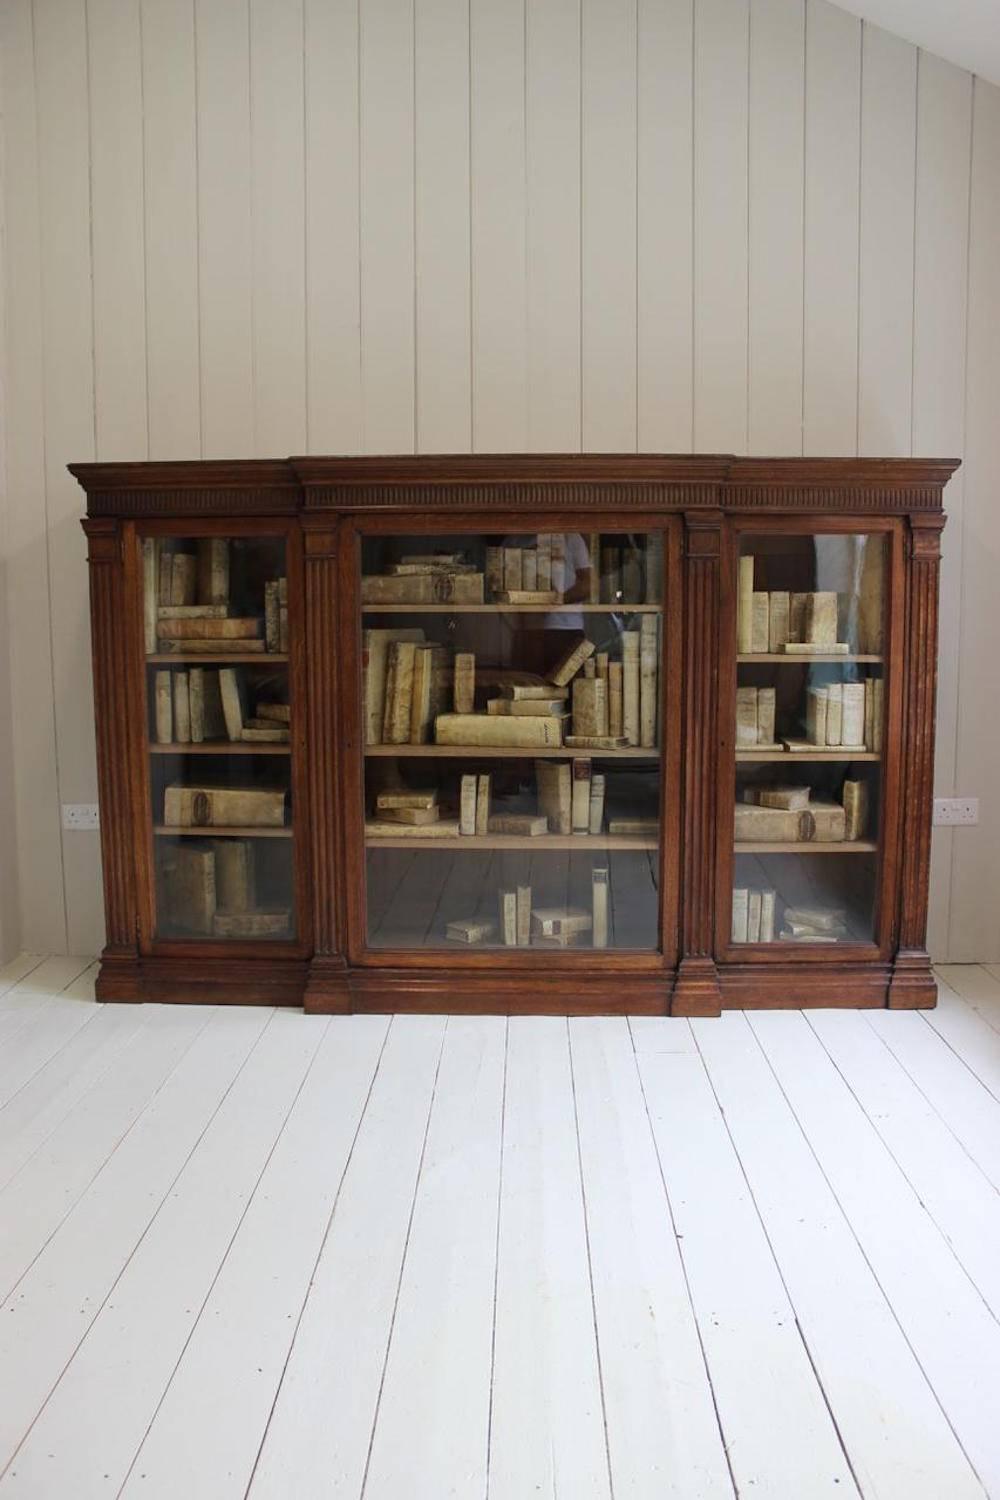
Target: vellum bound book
x,y
487,729
217,806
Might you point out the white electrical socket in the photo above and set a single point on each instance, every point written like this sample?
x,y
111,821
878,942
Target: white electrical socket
x,y
955,812
77,815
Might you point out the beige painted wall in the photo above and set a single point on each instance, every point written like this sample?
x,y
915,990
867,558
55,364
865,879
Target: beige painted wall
x,y
240,227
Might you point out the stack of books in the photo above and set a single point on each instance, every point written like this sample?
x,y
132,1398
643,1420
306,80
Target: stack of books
x,y
209,889
432,578
404,813
790,814
186,607
199,704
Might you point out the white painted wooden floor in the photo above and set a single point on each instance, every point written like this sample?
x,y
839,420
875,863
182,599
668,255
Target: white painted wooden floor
x,y
255,1253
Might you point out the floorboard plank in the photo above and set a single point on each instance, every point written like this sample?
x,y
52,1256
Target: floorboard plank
x,y
431,1433
317,1440
63,1289
663,1431
897,1437
977,986
205,1434
949,1328
19,968
90,1428
969,1036
27,1053
779,1434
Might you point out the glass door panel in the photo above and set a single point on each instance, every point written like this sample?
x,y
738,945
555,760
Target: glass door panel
x,y
511,707
219,717
810,707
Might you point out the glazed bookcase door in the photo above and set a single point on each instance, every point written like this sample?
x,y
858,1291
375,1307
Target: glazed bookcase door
x,y
808,790
220,740
513,744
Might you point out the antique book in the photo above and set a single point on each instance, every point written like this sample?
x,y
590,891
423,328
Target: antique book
x,y
559,579
426,588
654,567
753,917
527,687
526,708
594,558
382,828
630,686
471,930
558,940
272,616
165,581
483,789
189,886
192,612
438,562
611,575
374,669
877,713
796,617
788,935
513,572
407,797
199,645
213,570
150,590
746,716
816,715
553,779
281,713
741,899
508,918
634,827
398,693
261,732
794,798
648,656
556,921
822,918
465,682
413,817
778,622
523,825
259,923
632,583
765,716
234,874
834,713
821,619
869,734
282,627
164,708
210,629
493,576
599,898
870,596
222,806
182,709
484,729
767,916
744,607
590,706
529,579
572,660
821,822
523,915
208,719
467,787
529,596
852,723
600,660
590,667
596,818
595,742
543,567
431,680
582,772
616,706
231,690
855,796
184,579
761,622
816,648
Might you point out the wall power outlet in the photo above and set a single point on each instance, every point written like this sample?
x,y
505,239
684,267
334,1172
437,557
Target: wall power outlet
x,y
77,815
955,812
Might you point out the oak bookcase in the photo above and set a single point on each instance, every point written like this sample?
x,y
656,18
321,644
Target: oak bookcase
x,y
705,864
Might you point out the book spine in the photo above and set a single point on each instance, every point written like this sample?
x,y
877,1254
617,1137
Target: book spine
x,y
744,607
648,653
483,787
596,818
234,874
853,718
213,570
523,910
599,892
581,796
513,571
232,702
816,715
182,709
494,572
778,620
761,622
630,686
164,709
767,916
184,579
465,682
195,628
797,616
590,706
741,898
508,918
765,715
746,716
615,700
571,662
196,704
529,574
821,619
553,779
487,729
399,693
753,917
834,713
150,591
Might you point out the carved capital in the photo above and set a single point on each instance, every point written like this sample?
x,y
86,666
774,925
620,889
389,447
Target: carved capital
x,y
925,537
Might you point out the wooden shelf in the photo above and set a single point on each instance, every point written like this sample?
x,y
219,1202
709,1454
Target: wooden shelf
x,y
595,843
842,846
164,830
220,747
211,658
748,757
512,609
507,752
805,659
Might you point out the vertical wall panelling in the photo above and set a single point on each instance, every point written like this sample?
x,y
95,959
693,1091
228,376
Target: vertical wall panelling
x,y
944,125
552,101
64,175
10,921
333,265
36,787
443,314
608,144
976,857
499,364
830,271
277,154
777,120
387,260
222,29
170,196
664,225
720,225
888,136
